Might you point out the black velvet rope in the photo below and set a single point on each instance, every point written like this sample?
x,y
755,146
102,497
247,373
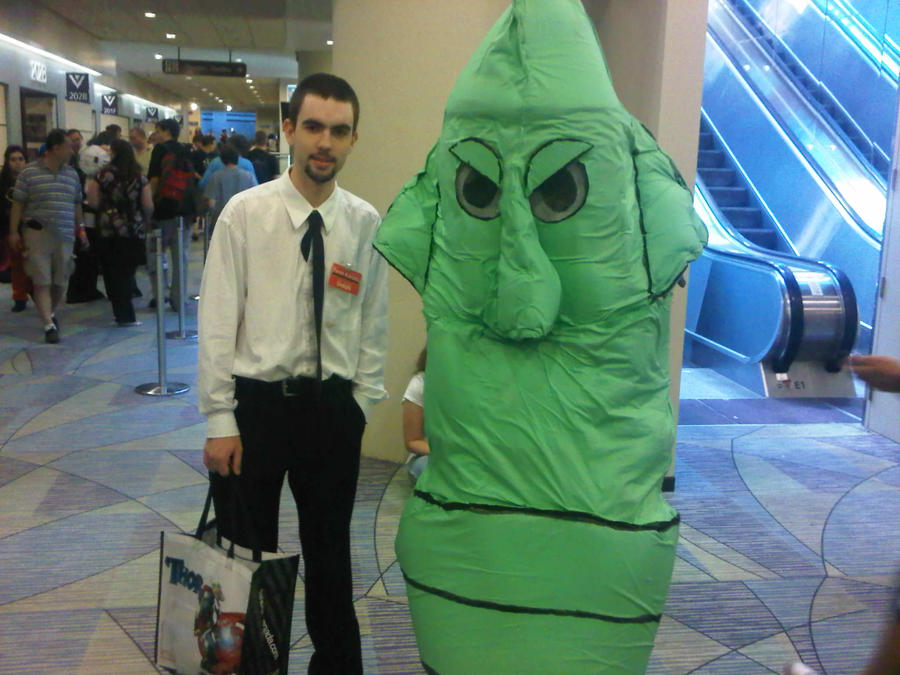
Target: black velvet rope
x,y
577,516
518,609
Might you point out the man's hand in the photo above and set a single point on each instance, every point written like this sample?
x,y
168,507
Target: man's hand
x,y
880,372
223,455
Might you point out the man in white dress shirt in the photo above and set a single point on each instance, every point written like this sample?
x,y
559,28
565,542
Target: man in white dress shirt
x,y
280,399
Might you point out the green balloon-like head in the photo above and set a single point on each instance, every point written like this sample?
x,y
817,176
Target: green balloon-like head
x,y
529,215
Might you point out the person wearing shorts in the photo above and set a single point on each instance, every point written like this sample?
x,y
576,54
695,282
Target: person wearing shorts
x,y
47,203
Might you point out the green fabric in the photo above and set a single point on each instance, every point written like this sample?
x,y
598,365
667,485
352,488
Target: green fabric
x,y
544,235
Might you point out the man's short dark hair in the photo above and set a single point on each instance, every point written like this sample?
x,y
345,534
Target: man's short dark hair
x,y
73,131
260,138
54,138
209,139
170,125
229,155
114,129
240,143
324,85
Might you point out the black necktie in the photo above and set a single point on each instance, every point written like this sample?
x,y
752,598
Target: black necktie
x,y
313,236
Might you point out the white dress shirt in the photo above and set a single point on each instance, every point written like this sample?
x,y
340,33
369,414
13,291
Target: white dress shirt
x,y
256,315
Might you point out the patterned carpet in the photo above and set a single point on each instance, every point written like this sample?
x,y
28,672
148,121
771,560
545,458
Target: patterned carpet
x,y
783,552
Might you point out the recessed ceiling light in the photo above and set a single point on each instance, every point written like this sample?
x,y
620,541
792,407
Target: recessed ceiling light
x,y
194,106
150,15
228,108
189,78
329,42
157,56
170,36
249,81
239,60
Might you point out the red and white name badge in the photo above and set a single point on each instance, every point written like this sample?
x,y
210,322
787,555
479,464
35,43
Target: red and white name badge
x,y
344,279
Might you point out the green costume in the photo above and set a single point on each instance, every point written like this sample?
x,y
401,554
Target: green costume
x,y
544,235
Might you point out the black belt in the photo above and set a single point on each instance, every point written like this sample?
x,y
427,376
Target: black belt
x,y
292,387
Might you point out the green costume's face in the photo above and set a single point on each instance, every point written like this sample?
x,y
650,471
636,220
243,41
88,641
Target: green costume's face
x,y
531,214
527,218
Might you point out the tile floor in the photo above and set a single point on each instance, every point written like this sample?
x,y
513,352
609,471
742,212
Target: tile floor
x,y
785,549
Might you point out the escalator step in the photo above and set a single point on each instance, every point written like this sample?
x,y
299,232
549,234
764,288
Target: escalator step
x,y
742,217
729,196
707,141
710,159
760,237
717,177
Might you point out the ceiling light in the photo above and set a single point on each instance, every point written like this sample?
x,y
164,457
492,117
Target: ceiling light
x,y
189,77
228,108
150,15
158,57
249,81
239,60
47,55
202,88
170,36
329,42
194,106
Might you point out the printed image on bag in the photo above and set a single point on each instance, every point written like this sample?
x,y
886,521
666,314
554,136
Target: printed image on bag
x,y
219,613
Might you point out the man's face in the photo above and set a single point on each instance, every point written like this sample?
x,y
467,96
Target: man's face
x,y
61,153
76,139
322,138
137,141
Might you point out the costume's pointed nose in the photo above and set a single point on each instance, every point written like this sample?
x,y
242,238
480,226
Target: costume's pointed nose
x,y
526,297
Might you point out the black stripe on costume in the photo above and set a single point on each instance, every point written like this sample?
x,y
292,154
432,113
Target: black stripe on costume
x,y
518,609
577,516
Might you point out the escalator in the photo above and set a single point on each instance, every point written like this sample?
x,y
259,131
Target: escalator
x,y
794,197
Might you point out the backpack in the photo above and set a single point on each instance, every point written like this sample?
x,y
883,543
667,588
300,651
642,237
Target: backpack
x,y
176,181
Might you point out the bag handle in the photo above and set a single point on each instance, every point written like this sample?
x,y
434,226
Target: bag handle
x,y
235,495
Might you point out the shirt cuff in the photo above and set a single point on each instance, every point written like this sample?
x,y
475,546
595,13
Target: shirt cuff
x,y
221,424
365,403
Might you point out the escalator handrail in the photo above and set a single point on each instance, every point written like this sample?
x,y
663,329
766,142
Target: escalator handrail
x,y
862,133
796,144
781,262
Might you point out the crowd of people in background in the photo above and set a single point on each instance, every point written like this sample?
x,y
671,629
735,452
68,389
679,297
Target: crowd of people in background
x,y
82,211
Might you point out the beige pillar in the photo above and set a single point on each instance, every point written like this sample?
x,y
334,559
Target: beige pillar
x,y
655,52
403,58
319,61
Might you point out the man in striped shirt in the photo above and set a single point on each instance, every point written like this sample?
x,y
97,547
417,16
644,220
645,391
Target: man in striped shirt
x,y
47,205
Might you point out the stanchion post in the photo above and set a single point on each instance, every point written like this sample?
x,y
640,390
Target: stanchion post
x,y
204,228
181,333
161,387
206,235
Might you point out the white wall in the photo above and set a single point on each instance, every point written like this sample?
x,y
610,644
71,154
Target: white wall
x,y
883,409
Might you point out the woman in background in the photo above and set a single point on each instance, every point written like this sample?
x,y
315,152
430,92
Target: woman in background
x,y
121,195
10,258
414,421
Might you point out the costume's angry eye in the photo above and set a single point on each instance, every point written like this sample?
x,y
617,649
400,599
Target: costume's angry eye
x,y
477,194
561,195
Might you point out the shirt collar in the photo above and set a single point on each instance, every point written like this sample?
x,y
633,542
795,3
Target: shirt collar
x,y
299,208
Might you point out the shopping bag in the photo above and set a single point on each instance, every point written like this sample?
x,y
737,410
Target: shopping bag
x,y
218,612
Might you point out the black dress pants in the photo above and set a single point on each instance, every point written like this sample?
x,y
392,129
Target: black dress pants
x,y
119,257
316,443
83,281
